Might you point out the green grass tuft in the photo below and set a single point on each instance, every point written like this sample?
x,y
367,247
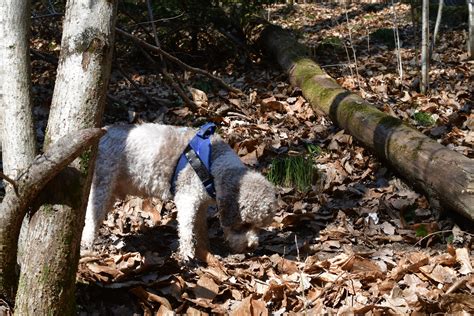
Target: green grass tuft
x,y
314,150
293,171
423,118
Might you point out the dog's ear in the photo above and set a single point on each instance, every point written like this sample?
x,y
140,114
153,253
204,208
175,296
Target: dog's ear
x,y
228,208
257,199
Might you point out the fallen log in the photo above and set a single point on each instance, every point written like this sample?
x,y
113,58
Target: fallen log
x,y
443,174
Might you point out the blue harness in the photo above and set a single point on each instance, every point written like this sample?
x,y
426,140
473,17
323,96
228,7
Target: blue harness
x,y
198,154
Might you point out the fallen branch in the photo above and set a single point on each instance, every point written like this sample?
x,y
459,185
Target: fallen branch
x,y
169,80
177,61
136,87
442,173
30,183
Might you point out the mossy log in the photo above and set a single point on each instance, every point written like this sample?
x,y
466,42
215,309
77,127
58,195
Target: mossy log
x,y
442,173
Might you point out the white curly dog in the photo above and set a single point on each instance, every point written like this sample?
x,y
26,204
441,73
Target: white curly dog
x,y
140,160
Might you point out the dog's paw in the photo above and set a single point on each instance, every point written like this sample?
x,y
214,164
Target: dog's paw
x,y
185,255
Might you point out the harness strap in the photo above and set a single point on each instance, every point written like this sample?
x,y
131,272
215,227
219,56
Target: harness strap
x,y
198,155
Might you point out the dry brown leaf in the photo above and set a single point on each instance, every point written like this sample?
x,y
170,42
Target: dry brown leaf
x,y
250,159
438,273
154,212
164,311
388,228
113,272
141,293
444,259
195,312
410,263
458,303
271,104
199,96
259,308
328,277
206,288
462,256
284,265
250,307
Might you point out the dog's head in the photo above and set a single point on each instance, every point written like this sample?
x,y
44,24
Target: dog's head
x,y
246,203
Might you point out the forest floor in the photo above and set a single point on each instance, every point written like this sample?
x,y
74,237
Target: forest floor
x,y
360,241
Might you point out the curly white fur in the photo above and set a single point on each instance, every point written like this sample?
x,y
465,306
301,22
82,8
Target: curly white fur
x,y
140,160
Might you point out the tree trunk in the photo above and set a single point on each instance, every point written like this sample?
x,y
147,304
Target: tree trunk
x,y
425,39
437,25
442,173
18,147
47,280
470,44
27,187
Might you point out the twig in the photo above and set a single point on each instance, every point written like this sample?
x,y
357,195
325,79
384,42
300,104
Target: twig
x,y
337,65
243,116
177,61
160,20
9,180
50,58
397,42
349,61
49,15
368,40
429,235
153,25
436,29
352,47
305,301
456,285
155,34
115,99
169,80
130,80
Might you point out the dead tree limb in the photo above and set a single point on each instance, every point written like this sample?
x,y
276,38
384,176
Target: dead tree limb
x,y
439,171
134,85
177,61
169,80
30,183
9,180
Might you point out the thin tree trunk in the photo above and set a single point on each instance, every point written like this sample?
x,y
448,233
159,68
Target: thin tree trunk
x,y
470,44
27,187
425,38
18,139
442,173
47,280
437,25
396,36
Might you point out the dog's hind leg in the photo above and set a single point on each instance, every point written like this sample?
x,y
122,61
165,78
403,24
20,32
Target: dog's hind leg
x,y
99,203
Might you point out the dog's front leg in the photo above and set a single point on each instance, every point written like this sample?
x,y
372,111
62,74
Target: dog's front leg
x,y
189,213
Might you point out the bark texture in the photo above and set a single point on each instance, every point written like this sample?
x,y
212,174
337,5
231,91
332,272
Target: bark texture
x,y
16,116
28,185
47,280
18,149
440,172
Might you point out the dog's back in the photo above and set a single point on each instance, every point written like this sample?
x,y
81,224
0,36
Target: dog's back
x,y
146,156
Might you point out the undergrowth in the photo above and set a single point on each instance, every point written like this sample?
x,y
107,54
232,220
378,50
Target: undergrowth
x,y
293,171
